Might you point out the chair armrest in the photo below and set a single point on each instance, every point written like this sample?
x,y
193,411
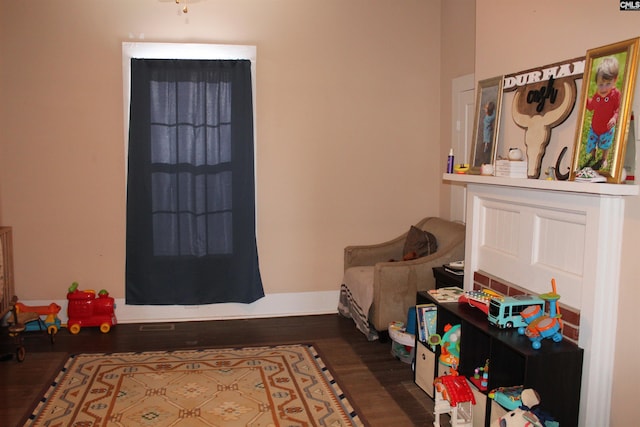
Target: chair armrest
x,y
395,284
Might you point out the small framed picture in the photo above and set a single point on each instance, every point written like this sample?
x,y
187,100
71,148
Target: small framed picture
x,y
486,122
605,109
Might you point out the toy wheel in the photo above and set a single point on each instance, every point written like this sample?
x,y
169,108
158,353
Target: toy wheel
x,y
105,327
536,345
74,329
20,353
52,330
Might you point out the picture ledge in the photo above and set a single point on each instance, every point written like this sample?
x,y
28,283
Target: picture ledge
x,y
541,184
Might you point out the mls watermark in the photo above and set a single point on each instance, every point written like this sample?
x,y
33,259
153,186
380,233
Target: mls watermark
x,y
629,5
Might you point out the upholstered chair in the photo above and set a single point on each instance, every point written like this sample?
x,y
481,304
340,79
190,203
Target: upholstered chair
x,y
381,280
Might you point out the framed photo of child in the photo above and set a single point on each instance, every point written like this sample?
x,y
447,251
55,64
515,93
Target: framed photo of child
x,y
486,122
605,111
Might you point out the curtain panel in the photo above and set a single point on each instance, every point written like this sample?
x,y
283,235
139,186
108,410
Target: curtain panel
x,y
191,184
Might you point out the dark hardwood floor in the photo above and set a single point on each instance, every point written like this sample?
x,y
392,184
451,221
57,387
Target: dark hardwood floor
x,y
379,385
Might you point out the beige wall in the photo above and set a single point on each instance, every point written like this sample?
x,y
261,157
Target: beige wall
x,y
347,121
457,60
348,107
518,35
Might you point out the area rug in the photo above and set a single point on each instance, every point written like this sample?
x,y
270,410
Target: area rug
x,y
256,386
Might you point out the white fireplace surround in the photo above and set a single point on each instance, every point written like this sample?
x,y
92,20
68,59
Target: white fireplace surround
x,y
529,231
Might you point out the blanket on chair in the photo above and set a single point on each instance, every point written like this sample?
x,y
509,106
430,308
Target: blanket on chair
x,y
356,298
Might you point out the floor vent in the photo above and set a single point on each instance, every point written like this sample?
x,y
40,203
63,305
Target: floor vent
x,y
158,328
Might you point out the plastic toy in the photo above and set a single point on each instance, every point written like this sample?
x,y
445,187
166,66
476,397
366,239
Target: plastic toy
x,y
454,397
480,376
541,326
16,327
527,415
50,323
506,312
450,345
403,342
21,318
509,398
479,299
521,417
85,309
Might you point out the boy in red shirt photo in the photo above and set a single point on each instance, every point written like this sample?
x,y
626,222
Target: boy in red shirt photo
x,y
605,104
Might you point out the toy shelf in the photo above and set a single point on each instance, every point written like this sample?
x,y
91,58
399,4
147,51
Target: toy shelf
x,y
554,371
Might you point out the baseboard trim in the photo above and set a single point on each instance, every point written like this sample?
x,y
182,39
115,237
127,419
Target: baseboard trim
x,y
272,305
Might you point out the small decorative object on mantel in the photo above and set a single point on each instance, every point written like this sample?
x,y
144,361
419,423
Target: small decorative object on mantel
x,y
559,174
486,169
461,168
605,109
511,168
551,173
515,154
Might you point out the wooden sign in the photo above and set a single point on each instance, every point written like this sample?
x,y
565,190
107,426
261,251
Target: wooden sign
x,y
544,98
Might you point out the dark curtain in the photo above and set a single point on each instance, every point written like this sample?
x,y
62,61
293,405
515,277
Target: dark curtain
x,y
190,184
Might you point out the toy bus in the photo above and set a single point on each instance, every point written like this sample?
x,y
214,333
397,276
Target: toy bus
x,y
504,312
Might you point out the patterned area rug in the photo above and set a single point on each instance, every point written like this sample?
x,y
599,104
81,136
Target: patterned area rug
x,y
256,386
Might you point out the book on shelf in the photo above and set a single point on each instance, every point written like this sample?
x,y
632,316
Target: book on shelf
x,y
430,316
447,294
426,320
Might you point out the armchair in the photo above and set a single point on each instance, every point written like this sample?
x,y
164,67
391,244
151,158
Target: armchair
x,y
377,290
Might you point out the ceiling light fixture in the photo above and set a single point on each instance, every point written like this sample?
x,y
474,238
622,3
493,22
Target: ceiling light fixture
x,y
182,4
185,8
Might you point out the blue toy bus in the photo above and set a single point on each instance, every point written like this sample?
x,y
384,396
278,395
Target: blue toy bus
x,y
504,312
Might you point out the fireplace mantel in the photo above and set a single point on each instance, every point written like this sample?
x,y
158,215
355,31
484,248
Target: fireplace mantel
x,y
529,231
541,184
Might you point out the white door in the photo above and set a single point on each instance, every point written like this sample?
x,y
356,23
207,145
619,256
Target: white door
x,y
463,111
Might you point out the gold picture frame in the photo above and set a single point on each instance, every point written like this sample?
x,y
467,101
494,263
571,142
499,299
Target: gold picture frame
x,y
486,122
601,144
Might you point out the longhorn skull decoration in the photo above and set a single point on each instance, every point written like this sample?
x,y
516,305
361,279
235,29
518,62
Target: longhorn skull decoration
x,y
537,110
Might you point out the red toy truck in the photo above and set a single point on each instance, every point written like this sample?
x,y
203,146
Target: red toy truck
x,y
85,309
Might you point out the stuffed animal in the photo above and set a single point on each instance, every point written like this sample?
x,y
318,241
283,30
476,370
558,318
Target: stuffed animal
x,y
525,415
